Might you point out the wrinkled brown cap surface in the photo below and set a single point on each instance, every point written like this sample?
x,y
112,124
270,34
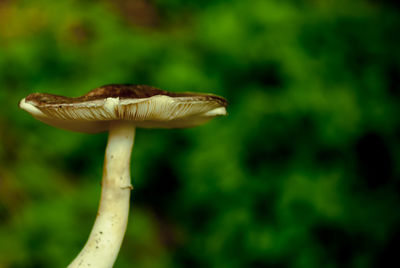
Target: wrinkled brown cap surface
x,y
144,106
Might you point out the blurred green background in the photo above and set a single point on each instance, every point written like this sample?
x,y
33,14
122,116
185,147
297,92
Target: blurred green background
x,y
304,172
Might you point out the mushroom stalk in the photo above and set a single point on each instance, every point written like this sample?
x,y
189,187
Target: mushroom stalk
x,y
105,239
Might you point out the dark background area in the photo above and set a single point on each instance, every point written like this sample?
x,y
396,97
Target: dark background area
x,y
304,172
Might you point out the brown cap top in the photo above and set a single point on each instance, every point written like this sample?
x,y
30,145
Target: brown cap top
x,y
144,106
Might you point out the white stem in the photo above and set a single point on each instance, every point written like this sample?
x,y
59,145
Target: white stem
x,y
108,231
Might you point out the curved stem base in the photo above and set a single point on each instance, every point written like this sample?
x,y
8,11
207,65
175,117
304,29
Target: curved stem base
x,y
105,239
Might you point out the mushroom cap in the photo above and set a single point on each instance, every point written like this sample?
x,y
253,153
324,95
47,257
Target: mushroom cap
x,y
144,106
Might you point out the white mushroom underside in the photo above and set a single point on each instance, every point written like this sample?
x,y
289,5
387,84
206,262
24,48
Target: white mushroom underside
x,y
158,111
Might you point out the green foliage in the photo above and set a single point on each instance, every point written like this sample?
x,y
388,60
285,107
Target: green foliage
x,y
302,173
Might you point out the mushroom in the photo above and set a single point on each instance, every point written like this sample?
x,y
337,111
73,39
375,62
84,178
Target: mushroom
x,y
119,109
